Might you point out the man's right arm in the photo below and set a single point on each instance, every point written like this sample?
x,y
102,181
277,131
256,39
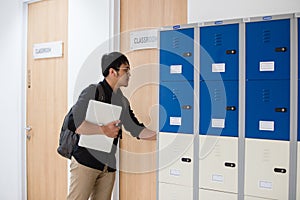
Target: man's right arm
x,y
79,113
110,130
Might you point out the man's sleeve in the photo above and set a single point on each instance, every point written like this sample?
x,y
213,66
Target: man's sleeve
x,y
80,107
130,122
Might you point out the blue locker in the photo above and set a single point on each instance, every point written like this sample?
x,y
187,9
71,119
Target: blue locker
x,y
176,100
219,52
268,109
268,49
219,108
298,45
177,55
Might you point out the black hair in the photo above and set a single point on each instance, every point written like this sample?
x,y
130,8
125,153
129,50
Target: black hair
x,y
112,60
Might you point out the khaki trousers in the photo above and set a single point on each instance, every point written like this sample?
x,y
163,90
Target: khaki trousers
x,y
86,182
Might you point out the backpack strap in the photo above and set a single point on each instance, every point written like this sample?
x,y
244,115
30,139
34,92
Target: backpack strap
x,y
100,94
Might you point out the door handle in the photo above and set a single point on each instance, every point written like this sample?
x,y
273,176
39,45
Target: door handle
x,y
28,135
28,128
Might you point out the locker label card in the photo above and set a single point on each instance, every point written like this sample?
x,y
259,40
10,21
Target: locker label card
x,y
267,66
218,123
265,184
175,121
217,178
175,69
174,172
218,67
266,125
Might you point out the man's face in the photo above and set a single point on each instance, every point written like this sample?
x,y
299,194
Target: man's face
x,y
124,74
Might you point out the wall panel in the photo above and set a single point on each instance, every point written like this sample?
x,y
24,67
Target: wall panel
x,y
137,158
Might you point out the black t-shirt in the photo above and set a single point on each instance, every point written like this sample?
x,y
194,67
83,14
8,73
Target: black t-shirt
x,y
93,158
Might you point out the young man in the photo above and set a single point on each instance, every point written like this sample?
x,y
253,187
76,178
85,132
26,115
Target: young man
x,y
92,171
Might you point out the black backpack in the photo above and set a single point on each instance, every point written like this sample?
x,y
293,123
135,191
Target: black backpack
x,y
68,139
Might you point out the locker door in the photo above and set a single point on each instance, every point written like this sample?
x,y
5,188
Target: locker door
x,y
176,100
218,163
177,55
175,192
176,159
267,168
268,109
219,49
219,108
268,49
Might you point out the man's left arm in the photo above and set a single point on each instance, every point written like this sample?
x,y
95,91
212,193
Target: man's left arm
x,y
147,134
136,128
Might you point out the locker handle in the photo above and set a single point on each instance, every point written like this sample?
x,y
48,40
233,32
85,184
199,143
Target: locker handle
x,y
232,51
228,164
187,54
188,160
230,108
280,110
280,49
186,107
280,170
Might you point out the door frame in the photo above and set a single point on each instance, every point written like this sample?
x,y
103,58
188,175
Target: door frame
x,y
114,32
23,169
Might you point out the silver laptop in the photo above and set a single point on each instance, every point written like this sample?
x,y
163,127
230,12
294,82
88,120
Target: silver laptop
x,y
99,113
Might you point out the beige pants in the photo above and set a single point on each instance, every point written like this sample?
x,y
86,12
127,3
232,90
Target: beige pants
x,y
87,182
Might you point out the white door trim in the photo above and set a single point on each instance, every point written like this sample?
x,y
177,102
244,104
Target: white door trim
x,y
23,169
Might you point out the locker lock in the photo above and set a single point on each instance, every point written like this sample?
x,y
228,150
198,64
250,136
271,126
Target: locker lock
x,y
232,51
280,49
231,108
186,107
228,164
280,109
187,54
188,160
280,170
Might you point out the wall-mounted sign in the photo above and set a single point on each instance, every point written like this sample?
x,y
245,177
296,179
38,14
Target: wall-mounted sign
x,y
146,39
48,50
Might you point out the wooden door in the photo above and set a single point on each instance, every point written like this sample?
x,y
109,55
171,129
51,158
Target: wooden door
x,y
46,102
138,157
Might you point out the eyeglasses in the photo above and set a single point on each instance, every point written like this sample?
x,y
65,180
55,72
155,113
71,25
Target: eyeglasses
x,y
125,69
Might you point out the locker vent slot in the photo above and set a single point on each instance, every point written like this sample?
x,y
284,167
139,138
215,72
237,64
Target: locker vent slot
x,y
175,93
266,155
218,39
266,35
266,95
217,95
176,42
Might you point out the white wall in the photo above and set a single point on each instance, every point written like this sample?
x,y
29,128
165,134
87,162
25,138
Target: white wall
x,y
89,32
203,10
11,147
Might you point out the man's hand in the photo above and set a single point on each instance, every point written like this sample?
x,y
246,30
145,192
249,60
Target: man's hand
x,y
111,129
147,134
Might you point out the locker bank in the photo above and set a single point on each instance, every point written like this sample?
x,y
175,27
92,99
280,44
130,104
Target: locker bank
x,y
228,93
217,80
